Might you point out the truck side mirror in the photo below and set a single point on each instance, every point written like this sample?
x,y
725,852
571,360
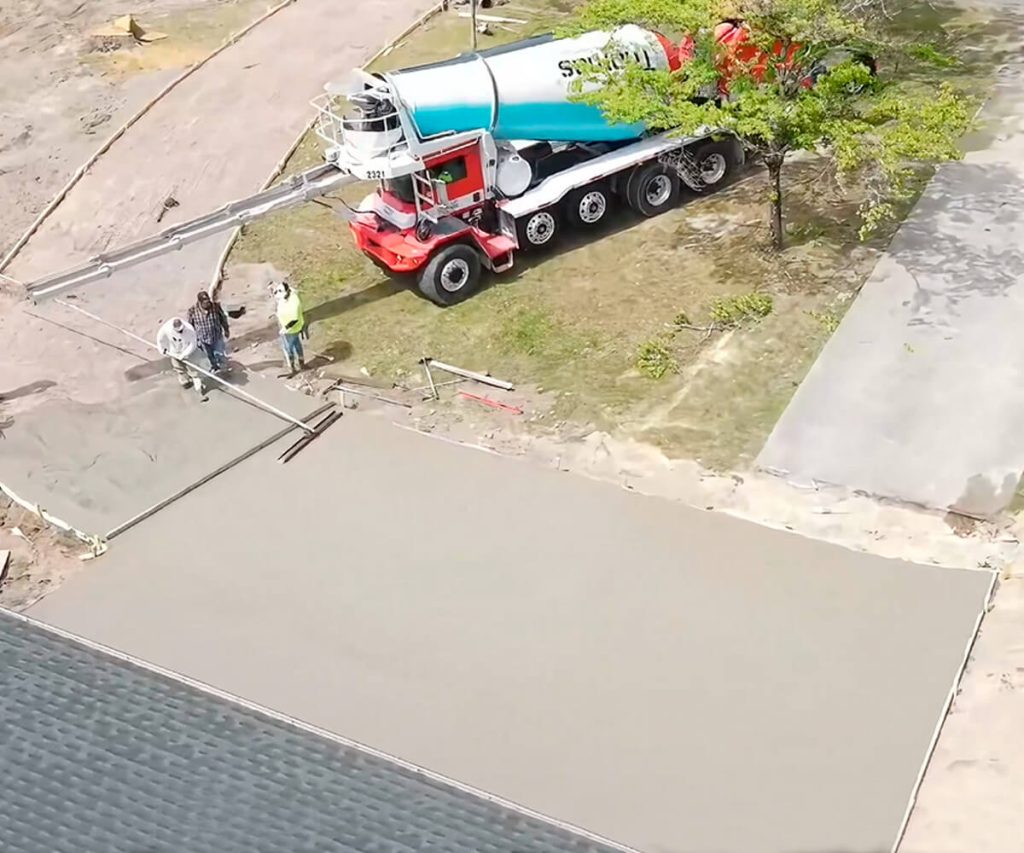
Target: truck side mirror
x,y
441,192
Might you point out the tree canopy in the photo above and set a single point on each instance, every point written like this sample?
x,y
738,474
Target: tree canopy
x,y
802,77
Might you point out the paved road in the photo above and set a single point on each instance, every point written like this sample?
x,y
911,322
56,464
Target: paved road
x,y
919,395
669,678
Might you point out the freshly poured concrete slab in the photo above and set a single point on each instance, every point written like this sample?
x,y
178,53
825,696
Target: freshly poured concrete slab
x,y
97,465
919,395
671,679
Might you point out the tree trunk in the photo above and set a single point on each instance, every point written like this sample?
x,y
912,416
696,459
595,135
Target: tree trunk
x,y
774,164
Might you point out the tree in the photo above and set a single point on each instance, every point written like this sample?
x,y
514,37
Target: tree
x,y
791,75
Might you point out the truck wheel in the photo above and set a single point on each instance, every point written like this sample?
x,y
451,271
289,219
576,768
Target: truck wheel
x,y
588,206
537,230
715,163
453,274
652,189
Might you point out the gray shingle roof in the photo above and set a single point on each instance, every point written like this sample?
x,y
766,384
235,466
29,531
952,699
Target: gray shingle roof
x,y
99,754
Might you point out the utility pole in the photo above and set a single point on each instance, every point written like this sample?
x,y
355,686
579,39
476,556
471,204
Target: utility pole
x,y
472,21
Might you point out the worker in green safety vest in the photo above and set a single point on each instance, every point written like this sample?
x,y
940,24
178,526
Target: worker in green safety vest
x,y
291,323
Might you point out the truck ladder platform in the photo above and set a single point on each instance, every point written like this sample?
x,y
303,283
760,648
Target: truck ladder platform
x,y
308,185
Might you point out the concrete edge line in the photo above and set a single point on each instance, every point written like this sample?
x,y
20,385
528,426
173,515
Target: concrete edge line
x,y
97,544
454,441
218,272
231,463
84,168
319,732
944,713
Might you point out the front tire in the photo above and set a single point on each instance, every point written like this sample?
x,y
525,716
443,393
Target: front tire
x,y
652,189
451,275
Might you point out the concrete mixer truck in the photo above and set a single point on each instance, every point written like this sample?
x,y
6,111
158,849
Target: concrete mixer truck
x,y
476,159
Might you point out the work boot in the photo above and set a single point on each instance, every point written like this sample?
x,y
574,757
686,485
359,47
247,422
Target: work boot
x,y
301,363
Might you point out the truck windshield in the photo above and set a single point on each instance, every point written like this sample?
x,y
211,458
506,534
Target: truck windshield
x,y
401,188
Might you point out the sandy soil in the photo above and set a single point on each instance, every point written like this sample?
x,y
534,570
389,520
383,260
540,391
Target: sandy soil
x,y
972,795
56,105
42,557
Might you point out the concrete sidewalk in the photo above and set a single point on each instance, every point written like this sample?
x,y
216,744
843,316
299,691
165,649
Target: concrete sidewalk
x,y
919,395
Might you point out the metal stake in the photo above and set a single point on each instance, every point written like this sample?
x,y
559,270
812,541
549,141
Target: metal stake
x,y
430,379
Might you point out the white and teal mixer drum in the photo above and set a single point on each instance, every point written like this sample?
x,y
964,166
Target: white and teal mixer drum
x,y
524,90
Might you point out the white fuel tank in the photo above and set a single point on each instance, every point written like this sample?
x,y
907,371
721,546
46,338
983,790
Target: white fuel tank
x,y
513,174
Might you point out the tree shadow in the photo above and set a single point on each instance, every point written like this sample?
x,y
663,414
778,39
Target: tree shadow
x,y
960,241
984,498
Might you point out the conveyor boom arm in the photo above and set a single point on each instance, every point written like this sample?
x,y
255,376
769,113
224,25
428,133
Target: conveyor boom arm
x,y
295,190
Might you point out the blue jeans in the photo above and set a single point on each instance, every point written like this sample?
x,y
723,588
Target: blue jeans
x,y
292,346
215,353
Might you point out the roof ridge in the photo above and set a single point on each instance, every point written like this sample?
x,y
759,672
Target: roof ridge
x,y
321,732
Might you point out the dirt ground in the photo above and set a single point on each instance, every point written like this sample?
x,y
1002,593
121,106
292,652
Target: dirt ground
x,y
42,557
63,91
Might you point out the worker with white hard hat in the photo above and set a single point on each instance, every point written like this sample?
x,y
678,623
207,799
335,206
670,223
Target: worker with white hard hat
x,y
177,340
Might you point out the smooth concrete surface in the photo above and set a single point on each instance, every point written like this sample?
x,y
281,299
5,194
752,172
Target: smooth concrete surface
x,y
679,681
919,395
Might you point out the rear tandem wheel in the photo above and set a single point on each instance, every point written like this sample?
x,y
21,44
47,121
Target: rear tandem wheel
x,y
652,188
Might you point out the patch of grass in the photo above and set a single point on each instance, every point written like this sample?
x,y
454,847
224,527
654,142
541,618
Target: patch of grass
x,y
929,53
528,331
655,360
810,232
827,319
735,311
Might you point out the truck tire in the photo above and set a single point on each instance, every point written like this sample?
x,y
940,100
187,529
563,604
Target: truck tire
x,y
451,275
716,163
538,230
589,206
652,188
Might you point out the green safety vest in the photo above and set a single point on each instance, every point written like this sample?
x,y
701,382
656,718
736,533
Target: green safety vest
x,y
290,309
